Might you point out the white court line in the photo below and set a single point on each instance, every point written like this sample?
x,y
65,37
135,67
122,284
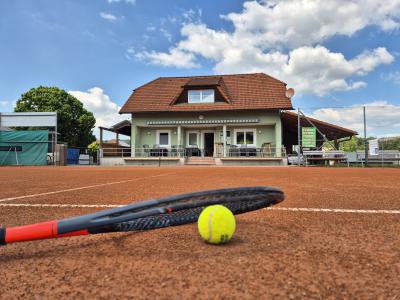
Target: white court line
x,y
59,205
291,209
337,210
80,188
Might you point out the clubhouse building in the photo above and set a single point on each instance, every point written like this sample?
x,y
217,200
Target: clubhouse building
x,y
241,119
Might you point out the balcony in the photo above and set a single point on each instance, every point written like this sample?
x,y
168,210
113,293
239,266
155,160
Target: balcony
x,y
177,151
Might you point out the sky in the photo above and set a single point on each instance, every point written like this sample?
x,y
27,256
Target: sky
x,y
338,55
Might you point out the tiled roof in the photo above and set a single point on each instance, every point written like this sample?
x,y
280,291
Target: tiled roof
x,y
199,81
244,91
331,131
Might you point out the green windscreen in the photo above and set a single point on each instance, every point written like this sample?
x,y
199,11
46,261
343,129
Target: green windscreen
x,y
28,148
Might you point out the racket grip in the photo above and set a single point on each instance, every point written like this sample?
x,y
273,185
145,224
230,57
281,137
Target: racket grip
x,y
32,232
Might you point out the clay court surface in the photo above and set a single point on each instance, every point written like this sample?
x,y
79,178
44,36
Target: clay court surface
x,y
335,236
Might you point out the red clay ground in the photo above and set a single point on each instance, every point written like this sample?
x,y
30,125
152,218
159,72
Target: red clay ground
x,y
274,253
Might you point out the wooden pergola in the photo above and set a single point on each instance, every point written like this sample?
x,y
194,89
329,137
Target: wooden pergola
x,y
123,127
331,132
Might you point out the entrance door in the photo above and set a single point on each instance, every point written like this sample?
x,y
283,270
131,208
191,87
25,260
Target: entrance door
x,y
208,143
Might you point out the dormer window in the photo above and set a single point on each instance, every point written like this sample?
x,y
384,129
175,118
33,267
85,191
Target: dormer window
x,y
201,96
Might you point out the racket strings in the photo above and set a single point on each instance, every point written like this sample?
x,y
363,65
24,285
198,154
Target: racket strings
x,y
218,198
185,216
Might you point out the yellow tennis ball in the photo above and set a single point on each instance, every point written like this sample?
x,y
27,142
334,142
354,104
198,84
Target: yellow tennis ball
x,y
216,224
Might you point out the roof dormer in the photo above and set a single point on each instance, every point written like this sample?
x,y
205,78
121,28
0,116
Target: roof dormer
x,y
203,90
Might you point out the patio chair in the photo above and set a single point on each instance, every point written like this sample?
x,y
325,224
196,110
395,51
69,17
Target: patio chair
x,y
266,150
176,150
146,150
155,150
234,151
180,150
243,150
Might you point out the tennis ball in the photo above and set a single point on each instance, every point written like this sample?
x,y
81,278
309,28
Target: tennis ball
x,y
216,224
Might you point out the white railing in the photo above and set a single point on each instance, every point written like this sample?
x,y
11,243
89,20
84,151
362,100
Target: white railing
x,y
175,151
115,152
325,156
144,152
255,152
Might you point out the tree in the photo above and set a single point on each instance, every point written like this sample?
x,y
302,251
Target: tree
x,y
392,143
94,147
351,145
75,123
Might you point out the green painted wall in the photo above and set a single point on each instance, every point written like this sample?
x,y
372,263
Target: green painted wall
x,y
148,136
268,129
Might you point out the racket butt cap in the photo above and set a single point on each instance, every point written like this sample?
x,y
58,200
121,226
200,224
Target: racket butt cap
x,y
2,235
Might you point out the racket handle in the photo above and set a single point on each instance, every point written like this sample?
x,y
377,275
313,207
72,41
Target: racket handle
x,y
40,231
32,232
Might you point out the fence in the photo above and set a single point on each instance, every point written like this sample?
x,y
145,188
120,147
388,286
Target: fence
x,y
82,156
24,147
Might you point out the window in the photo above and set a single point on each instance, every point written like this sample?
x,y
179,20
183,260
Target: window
x,y
245,137
192,138
164,138
228,137
240,138
201,96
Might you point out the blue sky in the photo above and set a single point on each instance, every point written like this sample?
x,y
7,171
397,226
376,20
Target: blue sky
x,y
337,55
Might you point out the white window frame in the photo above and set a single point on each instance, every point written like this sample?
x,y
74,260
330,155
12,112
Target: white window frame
x,y
254,130
198,137
158,137
201,96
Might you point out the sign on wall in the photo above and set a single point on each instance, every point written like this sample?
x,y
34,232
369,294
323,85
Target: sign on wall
x,y
373,147
309,137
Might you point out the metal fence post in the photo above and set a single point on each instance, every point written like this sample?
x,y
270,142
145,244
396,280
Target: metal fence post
x,y
298,136
365,138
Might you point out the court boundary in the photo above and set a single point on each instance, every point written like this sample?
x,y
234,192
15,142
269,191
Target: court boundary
x,y
81,188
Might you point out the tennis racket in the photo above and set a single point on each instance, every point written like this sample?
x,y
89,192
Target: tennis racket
x,y
151,214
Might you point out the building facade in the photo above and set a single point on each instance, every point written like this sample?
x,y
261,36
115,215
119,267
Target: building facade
x,y
226,119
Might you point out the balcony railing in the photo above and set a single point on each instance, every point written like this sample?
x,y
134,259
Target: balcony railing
x,y
255,152
176,151
144,152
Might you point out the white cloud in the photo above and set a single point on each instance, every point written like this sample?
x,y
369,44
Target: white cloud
x,y
383,118
308,22
392,76
284,39
108,16
320,71
192,16
6,106
100,104
3,103
151,27
133,2
166,34
369,60
174,57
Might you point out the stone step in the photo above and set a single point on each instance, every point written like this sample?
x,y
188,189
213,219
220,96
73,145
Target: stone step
x,y
199,164
200,161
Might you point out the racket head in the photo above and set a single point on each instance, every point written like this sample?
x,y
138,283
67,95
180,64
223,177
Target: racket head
x,y
186,208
